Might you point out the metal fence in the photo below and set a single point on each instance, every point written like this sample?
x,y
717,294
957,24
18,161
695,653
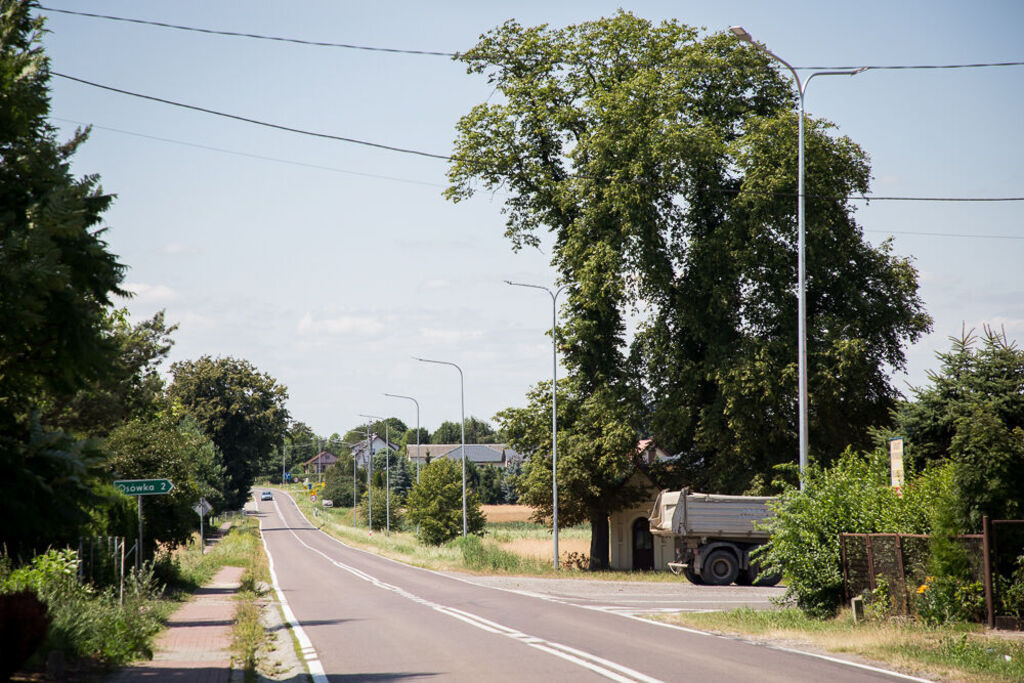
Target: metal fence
x,y
101,559
901,561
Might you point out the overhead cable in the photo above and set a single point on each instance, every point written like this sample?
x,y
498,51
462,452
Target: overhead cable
x,y
446,157
250,35
257,122
434,53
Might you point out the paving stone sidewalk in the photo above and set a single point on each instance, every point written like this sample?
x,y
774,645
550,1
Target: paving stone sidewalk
x,y
196,646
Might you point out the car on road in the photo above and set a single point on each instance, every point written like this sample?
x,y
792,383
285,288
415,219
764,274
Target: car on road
x,y
267,495
328,503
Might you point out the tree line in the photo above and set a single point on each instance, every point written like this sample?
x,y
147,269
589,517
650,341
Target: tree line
x,y
82,400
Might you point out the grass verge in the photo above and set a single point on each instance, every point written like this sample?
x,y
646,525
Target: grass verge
x,y
959,652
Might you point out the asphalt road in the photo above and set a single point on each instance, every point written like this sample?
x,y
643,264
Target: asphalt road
x,y
368,618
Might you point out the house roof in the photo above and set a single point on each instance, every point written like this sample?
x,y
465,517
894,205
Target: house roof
x,y
322,456
477,453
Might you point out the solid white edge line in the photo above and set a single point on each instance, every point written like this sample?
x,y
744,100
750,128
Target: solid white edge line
x,y
307,651
541,596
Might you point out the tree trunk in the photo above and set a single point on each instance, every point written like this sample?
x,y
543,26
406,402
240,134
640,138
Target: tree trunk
x,y
598,540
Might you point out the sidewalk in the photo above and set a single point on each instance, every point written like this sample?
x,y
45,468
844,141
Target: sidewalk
x,y
196,645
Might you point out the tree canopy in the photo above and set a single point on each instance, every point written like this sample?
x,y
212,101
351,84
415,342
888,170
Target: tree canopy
x,y
57,279
477,431
662,167
240,408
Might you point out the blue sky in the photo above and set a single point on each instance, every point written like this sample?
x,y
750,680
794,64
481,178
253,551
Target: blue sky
x,y
330,265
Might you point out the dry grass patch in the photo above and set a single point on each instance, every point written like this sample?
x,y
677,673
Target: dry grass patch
x,y
506,513
542,548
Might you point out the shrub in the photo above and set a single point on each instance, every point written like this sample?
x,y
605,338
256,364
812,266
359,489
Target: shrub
x,y
944,599
380,506
435,503
1011,591
852,496
482,556
87,622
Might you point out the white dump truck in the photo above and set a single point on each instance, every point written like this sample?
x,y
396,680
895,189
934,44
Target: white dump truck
x,y
714,535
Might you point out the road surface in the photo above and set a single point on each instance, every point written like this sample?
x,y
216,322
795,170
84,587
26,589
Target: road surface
x,y
368,618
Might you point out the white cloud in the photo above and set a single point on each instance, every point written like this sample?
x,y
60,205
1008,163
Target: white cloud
x,y
150,294
341,326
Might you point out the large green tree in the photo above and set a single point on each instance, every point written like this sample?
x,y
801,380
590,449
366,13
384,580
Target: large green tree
x,y
662,167
240,408
57,278
972,413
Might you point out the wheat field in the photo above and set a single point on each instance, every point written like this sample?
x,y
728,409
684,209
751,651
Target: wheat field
x,y
510,527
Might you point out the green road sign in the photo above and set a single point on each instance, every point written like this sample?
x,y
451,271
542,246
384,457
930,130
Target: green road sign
x,y
144,487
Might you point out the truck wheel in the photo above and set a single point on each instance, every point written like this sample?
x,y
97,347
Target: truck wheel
x,y
693,577
769,579
720,568
746,577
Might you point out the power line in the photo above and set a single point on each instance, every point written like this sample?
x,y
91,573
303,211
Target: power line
x,y
250,35
434,53
879,67
250,155
947,234
445,157
257,122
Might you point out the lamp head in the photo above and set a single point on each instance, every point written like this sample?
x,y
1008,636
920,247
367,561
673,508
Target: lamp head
x,y
741,33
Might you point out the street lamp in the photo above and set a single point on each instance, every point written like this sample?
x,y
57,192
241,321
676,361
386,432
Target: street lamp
x,y
554,407
369,469
462,393
801,87
410,398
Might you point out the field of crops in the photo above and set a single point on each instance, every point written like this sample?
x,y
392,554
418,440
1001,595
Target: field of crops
x,y
510,528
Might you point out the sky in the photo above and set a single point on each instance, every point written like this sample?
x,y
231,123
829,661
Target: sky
x,y
330,265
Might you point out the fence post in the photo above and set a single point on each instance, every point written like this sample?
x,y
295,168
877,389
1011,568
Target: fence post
x,y
846,569
903,573
986,531
871,561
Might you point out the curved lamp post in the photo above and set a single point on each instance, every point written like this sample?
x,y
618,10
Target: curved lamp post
x,y
462,394
554,407
801,87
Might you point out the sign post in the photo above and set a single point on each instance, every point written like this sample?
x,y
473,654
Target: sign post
x,y
896,464
202,508
140,488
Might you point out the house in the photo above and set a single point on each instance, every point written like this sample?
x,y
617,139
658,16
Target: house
x,y
632,546
364,450
319,462
492,454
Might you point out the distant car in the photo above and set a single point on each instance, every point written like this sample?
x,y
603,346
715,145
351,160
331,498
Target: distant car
x,y
266,495
328,503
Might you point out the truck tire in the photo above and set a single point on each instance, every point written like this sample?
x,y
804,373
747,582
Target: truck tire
x,y
693,577
747,577
769,579
720,568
